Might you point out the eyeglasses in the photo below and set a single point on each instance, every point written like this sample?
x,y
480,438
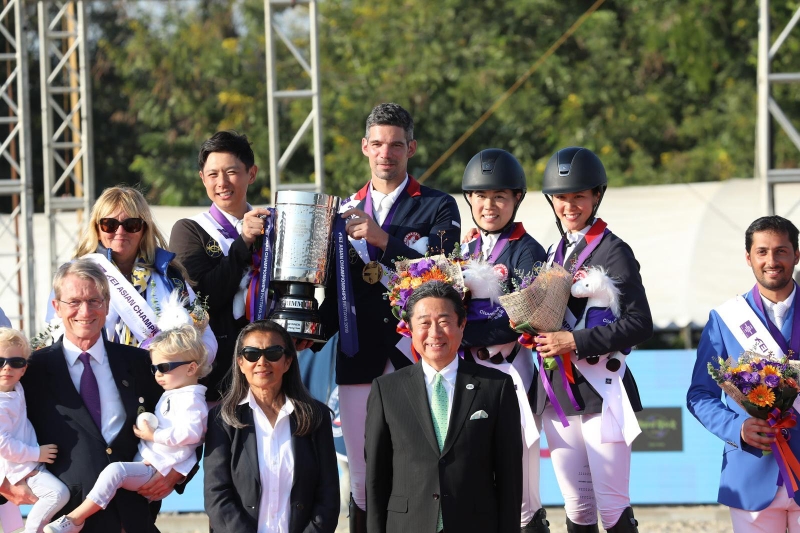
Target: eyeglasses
x,y
131,225
13,362
167,367
272,353
94,303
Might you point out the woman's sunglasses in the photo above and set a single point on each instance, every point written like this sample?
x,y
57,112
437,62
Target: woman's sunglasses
x,y
166,367
272,353
131,225
13,362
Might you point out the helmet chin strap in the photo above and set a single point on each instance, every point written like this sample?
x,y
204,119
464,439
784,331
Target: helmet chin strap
x,y
501,230
558,220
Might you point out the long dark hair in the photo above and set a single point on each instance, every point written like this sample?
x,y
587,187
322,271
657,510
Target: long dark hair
x,y
307,412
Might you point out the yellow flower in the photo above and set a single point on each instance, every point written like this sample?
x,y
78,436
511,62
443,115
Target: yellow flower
x,y
416,282
761,396
770,370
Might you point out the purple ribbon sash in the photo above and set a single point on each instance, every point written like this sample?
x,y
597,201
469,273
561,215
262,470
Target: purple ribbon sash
x,y
601,316
773,329
479,309
593,238
226,228
373,250
498,247
265,272
348,330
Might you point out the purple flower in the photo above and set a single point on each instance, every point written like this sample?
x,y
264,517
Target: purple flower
x,y
727,376
420,267
751,377
757,365
746,389
772,381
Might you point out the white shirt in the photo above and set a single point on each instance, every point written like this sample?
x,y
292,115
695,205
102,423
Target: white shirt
x,y
182,419
235,222
487,244
19,452
448,379
275,467
381,208
769,307
574,238
112,412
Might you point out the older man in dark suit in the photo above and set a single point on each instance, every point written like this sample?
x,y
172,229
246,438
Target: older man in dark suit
x,y
443,442
83,394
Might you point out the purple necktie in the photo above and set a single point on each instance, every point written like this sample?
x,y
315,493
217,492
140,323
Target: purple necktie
x,y
90,392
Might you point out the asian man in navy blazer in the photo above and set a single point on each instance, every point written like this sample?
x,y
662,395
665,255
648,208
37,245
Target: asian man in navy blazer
x,y
455,467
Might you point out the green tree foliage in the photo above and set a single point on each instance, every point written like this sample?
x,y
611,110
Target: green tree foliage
x,y
664,92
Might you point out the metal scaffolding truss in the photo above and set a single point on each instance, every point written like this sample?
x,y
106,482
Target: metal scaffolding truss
x,y
769,110
66,123
16,228
278,160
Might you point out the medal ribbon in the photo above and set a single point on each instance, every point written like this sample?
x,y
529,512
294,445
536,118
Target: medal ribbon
x,y
373,250
598,230
265,272
498,247
773,329
788,466
348,330
226,228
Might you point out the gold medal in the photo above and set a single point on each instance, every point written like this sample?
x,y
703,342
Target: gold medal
x,y
372,272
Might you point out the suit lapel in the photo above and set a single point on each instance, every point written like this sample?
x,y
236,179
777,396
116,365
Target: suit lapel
x,y
463,395
418,399
407,203
68,397
249,444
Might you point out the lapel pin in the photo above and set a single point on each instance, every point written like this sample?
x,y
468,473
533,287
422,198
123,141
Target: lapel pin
x,y
470,386
125,383
141,399
140,410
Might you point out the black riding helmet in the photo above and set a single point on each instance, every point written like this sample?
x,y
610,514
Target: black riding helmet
x,y
570,170
494,170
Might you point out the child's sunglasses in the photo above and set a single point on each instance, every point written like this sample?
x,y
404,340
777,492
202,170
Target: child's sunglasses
x,y
13,362
166,367
272,353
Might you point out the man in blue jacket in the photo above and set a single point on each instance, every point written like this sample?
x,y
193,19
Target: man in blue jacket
x,y
765,319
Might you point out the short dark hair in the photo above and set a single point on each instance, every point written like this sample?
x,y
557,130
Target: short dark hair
x,y
436,289
391,115
229,142
773,224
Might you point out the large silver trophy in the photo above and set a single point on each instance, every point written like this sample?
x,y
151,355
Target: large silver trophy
x,y
303,243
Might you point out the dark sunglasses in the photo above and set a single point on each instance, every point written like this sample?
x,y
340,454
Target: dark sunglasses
x,y
13,362
166,367
272,353
131,225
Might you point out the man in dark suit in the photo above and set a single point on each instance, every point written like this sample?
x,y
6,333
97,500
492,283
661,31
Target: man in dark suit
x,y
443,442
83,394
391,217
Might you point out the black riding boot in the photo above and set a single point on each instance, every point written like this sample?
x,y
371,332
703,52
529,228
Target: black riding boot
x,y
538,523
626,523
358,518
577,528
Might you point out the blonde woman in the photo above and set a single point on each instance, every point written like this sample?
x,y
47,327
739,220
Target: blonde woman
x,y
123,239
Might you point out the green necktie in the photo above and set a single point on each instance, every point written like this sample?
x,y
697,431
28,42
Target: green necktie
x,y
439,416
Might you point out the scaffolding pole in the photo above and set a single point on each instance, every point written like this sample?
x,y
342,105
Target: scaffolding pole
x,y
16,227
277,159
66,124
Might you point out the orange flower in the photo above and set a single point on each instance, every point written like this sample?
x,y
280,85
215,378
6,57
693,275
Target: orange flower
x,y
761,396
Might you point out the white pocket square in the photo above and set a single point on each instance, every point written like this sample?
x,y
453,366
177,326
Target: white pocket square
x,y
477,415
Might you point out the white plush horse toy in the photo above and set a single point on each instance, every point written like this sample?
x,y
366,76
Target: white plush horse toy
x,y
603,303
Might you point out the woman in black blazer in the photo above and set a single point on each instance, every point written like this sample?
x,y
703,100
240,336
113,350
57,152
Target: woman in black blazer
x,y
590,424
268,411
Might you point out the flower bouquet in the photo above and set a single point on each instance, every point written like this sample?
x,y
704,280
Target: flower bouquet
x,y
765,389
539,305
759,385
411,273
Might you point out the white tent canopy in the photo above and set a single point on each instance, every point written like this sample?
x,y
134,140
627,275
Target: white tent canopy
x,y
688,238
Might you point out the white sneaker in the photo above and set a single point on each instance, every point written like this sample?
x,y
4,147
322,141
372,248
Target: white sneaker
x,y
62,525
